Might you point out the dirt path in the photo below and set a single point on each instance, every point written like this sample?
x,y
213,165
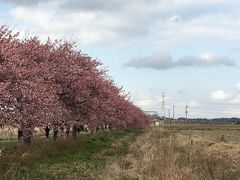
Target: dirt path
x,y
137,164
161,154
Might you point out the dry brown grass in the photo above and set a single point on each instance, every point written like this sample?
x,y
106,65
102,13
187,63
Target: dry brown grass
x,y
163,154
8,133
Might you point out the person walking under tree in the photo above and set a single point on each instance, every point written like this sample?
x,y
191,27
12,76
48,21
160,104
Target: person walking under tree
x,y
47,130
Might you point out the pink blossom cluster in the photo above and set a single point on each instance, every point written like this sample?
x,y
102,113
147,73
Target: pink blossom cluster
x,y
51,83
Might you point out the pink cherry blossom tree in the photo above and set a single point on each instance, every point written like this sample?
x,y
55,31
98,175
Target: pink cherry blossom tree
x,y
52,83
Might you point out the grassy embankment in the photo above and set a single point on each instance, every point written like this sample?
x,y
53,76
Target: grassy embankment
x,y
81,158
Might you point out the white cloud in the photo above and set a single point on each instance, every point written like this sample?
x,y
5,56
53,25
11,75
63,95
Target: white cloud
x,y
205,28
87,27
124,22
192,103
235,100
162,61
238,86
175,19
220,95
150,102
146,102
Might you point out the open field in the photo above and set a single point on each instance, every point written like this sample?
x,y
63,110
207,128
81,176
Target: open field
x,y
198,152
181,153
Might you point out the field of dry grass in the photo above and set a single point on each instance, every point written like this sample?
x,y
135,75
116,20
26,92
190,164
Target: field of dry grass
x,y
180,153
8,133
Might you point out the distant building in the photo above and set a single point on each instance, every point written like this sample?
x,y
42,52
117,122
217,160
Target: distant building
x,y
156,120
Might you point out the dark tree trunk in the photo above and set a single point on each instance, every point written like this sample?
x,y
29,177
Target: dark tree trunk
x,y
67,132
74,131
20,135
55,132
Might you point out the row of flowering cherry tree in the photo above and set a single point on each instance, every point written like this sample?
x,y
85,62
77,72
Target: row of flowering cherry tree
x,y
53,84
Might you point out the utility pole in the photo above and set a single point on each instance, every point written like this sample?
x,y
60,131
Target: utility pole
x,y
163,105
169,116
173,111
186,111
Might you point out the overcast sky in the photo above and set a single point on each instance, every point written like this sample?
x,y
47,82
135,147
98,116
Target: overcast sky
x,y
189,49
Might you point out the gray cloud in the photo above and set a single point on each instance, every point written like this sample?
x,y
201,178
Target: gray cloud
x,y
27,2
155,61
86,5
93,5
79,5
162,61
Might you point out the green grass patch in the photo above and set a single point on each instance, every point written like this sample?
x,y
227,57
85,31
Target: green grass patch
x,y
79,158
